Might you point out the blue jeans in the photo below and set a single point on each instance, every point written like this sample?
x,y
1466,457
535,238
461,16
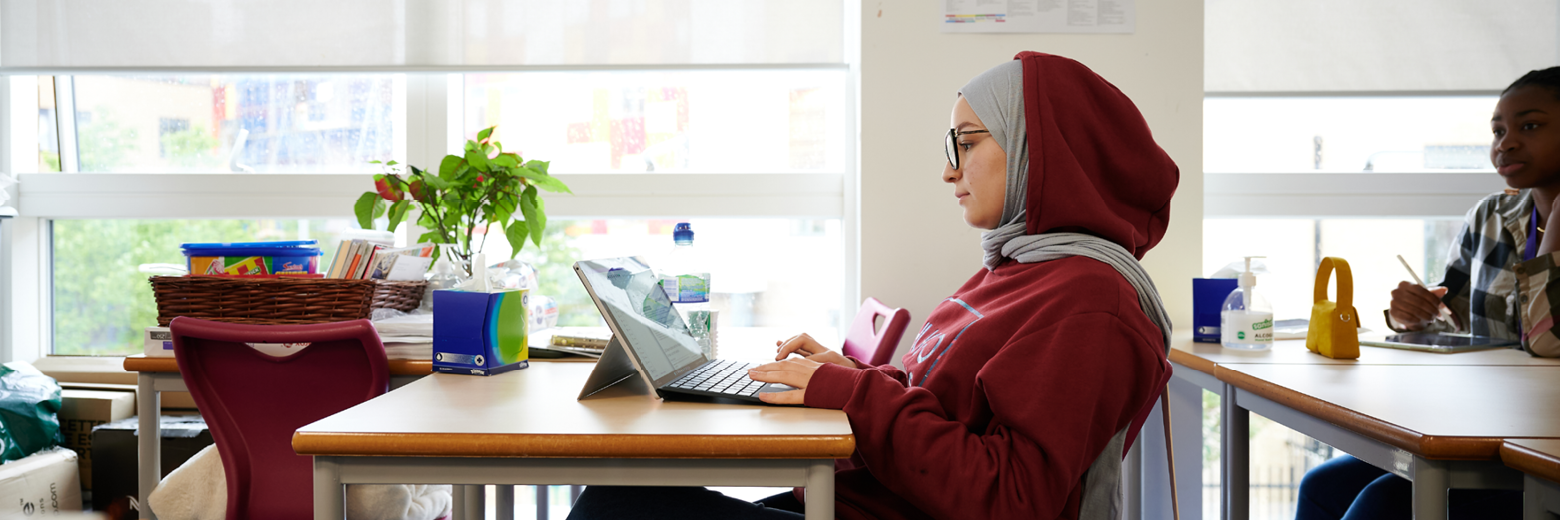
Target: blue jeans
x,y
678,503
1346,488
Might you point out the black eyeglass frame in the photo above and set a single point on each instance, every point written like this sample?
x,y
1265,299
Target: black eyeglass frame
x,y
951,145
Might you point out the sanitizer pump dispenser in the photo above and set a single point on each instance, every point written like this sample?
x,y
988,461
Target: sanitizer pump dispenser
x,y
1246,320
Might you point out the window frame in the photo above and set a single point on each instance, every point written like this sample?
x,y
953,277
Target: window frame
x,y
1304,194
434,111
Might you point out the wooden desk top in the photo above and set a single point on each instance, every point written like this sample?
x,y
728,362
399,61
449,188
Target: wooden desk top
x,y
533,413
1439,412
1537,457
1203,357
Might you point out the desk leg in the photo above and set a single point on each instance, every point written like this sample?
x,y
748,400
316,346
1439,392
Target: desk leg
x,y
471,502
820,490
149,432
1235,459
1540,499
329,494
1432,480
542,503
504,502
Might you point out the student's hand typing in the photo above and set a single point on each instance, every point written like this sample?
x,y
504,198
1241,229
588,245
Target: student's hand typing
x,y
795,371
805,346
1414,307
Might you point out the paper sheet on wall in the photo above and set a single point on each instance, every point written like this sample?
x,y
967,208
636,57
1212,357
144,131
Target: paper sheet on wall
x,y
1039,16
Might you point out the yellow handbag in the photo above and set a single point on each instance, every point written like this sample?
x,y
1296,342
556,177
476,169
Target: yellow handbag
x,y
1334,326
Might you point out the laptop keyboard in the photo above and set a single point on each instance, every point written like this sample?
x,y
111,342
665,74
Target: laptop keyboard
x,y
720,377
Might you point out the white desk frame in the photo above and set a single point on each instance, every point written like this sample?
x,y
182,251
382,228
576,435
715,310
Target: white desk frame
x,y
331,473
1540,499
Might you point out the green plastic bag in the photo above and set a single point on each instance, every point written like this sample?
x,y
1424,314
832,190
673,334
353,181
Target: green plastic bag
x,y
29,411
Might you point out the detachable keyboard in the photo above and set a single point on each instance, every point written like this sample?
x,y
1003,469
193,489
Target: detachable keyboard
x,y
720,378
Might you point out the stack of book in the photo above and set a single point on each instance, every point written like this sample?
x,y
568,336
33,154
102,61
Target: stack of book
x,y
367,260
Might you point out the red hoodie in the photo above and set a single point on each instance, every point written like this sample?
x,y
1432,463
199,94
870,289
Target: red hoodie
x,y
1017,382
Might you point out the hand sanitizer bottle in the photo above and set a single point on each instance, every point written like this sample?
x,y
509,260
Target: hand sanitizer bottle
x,y
1246,321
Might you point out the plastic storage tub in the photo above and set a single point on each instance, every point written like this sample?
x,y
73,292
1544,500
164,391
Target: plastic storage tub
x,y
294,258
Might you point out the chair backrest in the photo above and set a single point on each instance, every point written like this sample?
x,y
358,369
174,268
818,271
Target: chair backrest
x,y
253,402
868,342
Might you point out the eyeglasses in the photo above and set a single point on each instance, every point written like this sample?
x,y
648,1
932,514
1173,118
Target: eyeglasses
x,y
951,146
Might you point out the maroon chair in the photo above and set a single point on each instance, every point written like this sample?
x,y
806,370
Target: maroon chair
x,y
872,344
1137,425
253,402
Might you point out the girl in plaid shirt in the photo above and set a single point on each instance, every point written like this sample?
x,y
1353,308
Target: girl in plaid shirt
x,y
1498,275
1497,283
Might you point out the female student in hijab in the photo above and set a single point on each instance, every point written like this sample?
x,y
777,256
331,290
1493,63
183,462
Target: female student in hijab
x,y
1018,396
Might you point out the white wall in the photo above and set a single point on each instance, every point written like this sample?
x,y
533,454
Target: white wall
x,y
915,248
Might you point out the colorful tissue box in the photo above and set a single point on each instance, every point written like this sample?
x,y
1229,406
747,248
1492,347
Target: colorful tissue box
x,y
480,333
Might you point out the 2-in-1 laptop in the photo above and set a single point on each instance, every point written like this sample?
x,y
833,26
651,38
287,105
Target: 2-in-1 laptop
x,y
649,338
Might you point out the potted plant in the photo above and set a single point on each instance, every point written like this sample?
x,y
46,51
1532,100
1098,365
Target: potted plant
x,y
484,187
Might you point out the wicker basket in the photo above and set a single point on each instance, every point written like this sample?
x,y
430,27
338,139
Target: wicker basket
x,y
278,301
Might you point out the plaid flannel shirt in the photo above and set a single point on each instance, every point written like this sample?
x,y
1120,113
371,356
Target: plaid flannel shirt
x,y
1490,289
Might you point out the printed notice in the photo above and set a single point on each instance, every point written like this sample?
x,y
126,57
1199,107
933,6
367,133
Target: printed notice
x,y
1039,16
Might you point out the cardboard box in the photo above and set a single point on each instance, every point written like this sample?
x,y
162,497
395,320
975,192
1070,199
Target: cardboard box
x,y
480,333
114,456
80,411
159,342
1208,296
43,484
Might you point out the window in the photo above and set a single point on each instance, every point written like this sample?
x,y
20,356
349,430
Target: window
x,y
1350,129
738,118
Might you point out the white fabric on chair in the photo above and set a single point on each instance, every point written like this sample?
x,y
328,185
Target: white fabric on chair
x,y
197,490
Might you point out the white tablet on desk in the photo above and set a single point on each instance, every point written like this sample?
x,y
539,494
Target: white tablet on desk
x,y
1442,343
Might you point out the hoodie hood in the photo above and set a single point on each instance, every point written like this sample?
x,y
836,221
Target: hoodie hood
x,y
1093,165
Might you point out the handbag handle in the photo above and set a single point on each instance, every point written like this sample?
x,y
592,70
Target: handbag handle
x,y
1345,281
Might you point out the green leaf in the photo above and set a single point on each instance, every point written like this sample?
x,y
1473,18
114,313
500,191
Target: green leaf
x,y
544,181
391,163
448,166
376,161
436,182
533,214
483,135
540,166
364,209
516,233
477,160
398,212
471,145
380,207
506,160
431,236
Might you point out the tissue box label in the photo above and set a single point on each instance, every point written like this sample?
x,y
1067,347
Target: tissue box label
x,y
480,333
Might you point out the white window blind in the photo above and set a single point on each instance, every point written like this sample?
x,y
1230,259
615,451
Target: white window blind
x,y
62,36
1405,46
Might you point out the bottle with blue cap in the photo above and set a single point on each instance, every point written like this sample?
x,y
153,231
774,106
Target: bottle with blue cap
x,y
686,281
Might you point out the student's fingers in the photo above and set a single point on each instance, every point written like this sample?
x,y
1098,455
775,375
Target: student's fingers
x,y
802,344
1418,297
795,372
1413,306
830,356
786,397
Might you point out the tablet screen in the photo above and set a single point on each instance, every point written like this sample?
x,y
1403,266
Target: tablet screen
x,y
1431,339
